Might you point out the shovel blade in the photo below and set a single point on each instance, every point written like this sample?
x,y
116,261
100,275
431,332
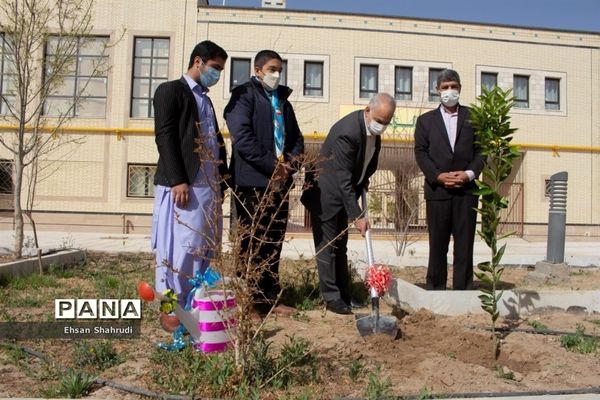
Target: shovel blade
x,y
368,324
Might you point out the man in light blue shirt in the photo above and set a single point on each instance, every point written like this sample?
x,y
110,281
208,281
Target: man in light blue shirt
x,y
187,219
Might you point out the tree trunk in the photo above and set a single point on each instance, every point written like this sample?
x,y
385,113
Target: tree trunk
x,y
31,199
18,214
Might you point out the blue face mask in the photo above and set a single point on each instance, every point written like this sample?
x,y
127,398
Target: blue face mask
x,y
210,77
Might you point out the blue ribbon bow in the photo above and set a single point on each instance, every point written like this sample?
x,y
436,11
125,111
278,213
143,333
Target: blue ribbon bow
x,y
209,278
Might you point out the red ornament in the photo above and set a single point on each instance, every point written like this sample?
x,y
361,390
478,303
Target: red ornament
x,y
146,291
379,277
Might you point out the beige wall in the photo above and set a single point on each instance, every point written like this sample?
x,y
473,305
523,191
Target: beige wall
x,y
93,178
470,49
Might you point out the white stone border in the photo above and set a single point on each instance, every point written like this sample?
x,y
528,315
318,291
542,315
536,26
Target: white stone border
x,y
30,265
513,302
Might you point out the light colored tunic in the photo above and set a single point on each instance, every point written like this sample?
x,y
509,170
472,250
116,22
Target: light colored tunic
x,y
184,239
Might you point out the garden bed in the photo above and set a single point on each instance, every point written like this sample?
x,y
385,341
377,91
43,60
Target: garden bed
x,y
433,354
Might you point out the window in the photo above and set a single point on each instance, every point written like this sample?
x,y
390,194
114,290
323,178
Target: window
x,y
283,75
240,72
369,77
313,78
140,180
433,75
403,90
7,77
552,94
150,69
6,182
521,91
489,80
83,92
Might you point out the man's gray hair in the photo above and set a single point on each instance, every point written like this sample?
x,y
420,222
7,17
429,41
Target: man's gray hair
x,y
381,98
447,75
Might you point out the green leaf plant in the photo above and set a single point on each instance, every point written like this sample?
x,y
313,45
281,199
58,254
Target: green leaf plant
x,y
491,122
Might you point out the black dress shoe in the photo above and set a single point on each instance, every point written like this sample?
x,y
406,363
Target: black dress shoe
x,y
338,306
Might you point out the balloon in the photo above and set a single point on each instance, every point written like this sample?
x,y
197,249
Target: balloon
x,y
146,291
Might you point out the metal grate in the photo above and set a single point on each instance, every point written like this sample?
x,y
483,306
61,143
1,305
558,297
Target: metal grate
x,y
395,193
396,197
140,180
6,181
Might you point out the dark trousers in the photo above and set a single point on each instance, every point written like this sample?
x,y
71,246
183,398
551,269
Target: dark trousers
x,y
456,217
262,225
332,261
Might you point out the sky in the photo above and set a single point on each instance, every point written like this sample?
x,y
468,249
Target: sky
x,y
578,15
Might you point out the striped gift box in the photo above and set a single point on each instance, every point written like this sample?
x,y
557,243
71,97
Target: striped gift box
x,y
216,320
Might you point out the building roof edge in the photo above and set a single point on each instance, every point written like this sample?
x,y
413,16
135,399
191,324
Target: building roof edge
x,y
490,24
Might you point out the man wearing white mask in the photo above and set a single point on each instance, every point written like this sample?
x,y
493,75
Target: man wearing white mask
x,y
190,174
266,142
447,152
349,157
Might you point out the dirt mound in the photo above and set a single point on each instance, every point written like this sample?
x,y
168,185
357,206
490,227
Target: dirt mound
x,y
452,354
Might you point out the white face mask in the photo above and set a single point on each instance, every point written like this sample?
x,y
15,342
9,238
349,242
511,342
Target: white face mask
x,y
450,97
271,80
376,128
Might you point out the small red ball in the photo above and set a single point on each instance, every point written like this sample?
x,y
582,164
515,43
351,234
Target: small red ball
x,y
146,291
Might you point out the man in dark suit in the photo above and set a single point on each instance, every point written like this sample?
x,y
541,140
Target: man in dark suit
x,y
190,173
349,157
266,142
447,153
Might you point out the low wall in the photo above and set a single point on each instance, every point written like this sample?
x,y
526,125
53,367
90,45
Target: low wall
x,y
513,303
31,265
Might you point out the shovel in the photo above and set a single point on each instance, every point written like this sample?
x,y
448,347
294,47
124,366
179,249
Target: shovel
x,y
368,324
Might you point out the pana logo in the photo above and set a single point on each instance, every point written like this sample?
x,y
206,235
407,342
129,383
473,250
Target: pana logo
x,y
97,309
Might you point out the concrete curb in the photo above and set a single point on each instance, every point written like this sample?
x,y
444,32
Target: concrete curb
x,y
30,265
512,304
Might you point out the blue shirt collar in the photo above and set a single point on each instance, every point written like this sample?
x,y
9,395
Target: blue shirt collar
x,y
192,84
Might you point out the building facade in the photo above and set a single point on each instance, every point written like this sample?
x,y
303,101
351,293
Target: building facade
x,y
334,63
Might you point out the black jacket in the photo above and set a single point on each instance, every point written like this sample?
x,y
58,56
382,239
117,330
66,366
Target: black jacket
x,y
434,154
250,121
175,129
337,185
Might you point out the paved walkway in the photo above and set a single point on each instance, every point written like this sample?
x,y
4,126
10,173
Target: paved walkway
x,y
581,252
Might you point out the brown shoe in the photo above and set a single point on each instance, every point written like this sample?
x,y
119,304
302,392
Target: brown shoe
x,y
282,309
168,322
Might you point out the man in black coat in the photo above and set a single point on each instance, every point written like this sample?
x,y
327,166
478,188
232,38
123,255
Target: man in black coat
x,y
266,142
190,174
349,157
447,153
176,122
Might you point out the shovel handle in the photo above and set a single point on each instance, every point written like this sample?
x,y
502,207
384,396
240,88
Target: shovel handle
x,y
370,256
375,305
375,313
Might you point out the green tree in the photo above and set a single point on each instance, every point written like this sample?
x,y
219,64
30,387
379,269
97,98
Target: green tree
x,y
491,122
